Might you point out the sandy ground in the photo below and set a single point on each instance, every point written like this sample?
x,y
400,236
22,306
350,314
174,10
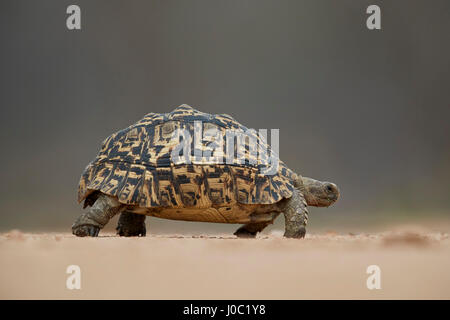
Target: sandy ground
x,y
414,264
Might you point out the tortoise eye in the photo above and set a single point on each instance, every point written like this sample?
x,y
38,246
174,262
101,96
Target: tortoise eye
x,y
329,188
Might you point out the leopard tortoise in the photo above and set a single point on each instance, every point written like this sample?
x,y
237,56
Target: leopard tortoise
x,y
136,174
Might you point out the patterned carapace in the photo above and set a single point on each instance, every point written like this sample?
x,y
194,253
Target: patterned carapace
x,y
135,165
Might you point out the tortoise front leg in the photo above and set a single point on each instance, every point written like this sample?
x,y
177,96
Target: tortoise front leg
x,y
90,223
295,216
131,225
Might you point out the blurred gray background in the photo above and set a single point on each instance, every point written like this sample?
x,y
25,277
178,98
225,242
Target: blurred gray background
x,y
368,110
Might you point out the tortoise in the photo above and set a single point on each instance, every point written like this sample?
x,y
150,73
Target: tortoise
x,y
136,174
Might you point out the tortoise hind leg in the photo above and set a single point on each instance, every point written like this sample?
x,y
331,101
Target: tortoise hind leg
x,y
250,230
131,225
90,223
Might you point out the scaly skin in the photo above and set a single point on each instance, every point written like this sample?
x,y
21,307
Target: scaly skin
x,y
90,223
295,216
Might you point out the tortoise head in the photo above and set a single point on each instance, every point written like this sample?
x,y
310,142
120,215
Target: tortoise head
x,y
317,193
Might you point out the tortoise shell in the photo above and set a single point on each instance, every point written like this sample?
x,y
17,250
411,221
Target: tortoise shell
x,y
135,165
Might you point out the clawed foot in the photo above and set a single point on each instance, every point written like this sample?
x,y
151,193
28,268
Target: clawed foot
x,y
86,231
131,225
131,231
298,234
245,234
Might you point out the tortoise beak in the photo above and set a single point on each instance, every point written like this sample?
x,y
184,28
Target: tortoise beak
x,y
333,197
